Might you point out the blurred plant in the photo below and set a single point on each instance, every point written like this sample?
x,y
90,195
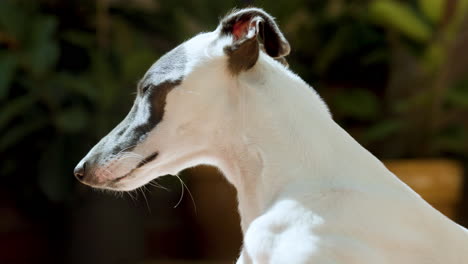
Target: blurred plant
x,y
427,93
61,89
345,57
68,71
58,93
410,53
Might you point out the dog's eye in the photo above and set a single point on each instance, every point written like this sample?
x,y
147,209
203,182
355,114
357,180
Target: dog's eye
x,y
146,88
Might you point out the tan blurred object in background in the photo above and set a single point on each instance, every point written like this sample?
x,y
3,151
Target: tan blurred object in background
x,y
438,181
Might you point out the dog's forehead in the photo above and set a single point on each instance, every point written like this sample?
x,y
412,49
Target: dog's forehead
x,y
170,67
177,63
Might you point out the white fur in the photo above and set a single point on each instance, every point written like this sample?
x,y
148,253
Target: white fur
x,y
307,191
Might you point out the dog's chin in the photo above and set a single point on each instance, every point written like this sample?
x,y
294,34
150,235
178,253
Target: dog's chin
x,y
124,187
122,184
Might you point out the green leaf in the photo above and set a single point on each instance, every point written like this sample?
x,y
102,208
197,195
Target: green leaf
x,y
433,9
407,104
8,66
379,55
42,50
434,56
399,16
104,80
333,49
13,19
14,108
360,104
458,95
453,139
15,134
136,63
79,38
460,11
71,120
381,130
79,84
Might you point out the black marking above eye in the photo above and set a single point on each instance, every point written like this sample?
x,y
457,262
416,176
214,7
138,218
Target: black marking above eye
x,y
146,88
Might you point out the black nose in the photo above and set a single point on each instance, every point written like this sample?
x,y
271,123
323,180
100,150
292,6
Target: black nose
x,y
80,171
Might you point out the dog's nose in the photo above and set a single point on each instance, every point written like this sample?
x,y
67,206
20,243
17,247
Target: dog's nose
x,y
80,171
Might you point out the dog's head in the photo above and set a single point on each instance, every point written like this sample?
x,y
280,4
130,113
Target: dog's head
x,y
182,103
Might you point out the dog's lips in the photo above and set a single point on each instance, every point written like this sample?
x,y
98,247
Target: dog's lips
x,y
118,179
126,182
126,176
122,181
140,165
116,183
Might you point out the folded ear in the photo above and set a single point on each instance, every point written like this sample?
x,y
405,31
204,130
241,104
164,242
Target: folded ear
x,y
252,29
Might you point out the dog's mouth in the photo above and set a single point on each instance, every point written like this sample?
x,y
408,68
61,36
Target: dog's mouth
x,y
146,160
142,163
118,179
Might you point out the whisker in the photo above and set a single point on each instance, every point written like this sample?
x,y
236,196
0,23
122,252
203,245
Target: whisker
x,y
146,200
131,196
188,190
191,196
126,155
157,185
125,149
133,154
182,191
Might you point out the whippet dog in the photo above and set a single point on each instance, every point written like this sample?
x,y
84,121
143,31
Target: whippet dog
x,y
307,191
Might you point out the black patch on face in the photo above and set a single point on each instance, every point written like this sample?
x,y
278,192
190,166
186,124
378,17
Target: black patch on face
x,y
170,65
147,159
173,64
163,76
157,102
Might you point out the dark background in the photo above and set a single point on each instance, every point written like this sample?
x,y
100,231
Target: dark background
x,y
394,73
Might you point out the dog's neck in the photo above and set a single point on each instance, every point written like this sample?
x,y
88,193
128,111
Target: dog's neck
x,y
282,133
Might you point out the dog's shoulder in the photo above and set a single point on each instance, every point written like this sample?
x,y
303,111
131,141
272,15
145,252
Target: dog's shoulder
x,y
285,233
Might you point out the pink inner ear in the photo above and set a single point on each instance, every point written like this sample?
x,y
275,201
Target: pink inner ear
x,y
240,29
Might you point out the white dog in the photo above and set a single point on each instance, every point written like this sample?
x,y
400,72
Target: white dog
x,y
307,191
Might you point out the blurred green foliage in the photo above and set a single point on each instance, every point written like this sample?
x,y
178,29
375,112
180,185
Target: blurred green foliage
x,y
428,68
68,71
393,72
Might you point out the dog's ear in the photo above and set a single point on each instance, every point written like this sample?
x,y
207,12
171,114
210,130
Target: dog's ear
x,y
252,29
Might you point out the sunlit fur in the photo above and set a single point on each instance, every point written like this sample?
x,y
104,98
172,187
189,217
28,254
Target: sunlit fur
x,y
307,191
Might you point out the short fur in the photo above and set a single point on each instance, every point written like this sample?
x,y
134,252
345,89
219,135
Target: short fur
x,y
307,191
